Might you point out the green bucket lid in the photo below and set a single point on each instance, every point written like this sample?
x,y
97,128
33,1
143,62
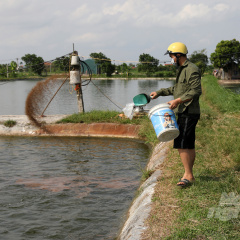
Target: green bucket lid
x,y
141,99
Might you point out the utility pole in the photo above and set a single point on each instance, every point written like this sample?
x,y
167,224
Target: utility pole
x,y
75,78
17,64
7,70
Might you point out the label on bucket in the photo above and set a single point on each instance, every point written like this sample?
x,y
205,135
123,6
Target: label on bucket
x,y
164,123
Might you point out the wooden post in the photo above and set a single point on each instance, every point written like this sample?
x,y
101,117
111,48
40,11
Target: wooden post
x,y
80,96
77,82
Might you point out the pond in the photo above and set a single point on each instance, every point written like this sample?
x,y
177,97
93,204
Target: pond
x,y
233,87
13,95
70,188
67,188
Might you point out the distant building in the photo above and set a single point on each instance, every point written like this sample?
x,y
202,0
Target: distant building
x,y
92,65
47,66
233,73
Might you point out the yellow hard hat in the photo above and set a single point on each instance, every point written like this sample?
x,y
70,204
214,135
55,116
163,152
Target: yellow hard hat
x,y
177,47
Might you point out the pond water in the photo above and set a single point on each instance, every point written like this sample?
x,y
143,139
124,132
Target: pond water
x,y
70,188
13,95
67,188
233,87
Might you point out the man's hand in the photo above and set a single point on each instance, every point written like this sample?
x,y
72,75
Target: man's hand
x,y
153,95
174,103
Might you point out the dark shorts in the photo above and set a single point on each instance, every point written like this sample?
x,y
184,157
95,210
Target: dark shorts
x,y
187,126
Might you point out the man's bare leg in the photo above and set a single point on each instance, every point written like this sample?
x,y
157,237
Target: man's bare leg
x,y
187,157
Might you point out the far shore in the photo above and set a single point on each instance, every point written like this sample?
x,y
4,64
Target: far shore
x,y
233,81
93,78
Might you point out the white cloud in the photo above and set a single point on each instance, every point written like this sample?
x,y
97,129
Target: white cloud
x,y
192,11
86,37
80,12
123,28
33,38
221,7
131,10
151,14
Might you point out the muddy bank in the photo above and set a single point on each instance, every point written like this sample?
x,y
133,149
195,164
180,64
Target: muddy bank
x,y
93,130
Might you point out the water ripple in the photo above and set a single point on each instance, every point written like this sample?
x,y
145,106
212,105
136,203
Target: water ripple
x,y
67,188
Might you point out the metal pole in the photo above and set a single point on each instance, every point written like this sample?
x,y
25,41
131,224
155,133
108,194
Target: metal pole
x,y
80,98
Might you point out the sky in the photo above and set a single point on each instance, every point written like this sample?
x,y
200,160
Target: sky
x,y
120,29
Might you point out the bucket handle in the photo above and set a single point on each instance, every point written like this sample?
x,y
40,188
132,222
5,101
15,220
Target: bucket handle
x,y
162,115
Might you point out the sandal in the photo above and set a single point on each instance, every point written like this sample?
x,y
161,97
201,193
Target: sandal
x,y
184,183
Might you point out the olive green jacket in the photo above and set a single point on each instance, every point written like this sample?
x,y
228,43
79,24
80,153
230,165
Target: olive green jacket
x,y
187,87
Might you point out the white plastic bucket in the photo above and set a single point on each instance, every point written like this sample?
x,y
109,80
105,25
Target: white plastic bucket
x,y
164,122
75,60
75,77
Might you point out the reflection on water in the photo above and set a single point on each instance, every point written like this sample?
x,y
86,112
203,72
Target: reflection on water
x,y
67,188
234,88
153,84
121,92
79,185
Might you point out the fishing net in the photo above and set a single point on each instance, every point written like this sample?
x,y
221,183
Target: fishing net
x,y
43,93
40,97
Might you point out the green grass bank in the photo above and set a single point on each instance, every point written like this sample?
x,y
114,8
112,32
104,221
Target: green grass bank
x,y
210,208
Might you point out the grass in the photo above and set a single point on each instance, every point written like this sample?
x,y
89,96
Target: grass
x,y
146,131
146,174
96,116
223,99
9,123
194,213
20,75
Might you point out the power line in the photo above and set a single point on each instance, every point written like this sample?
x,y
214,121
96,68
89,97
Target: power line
x,y
112,60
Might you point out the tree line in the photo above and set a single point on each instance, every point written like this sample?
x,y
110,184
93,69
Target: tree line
x,y
226,54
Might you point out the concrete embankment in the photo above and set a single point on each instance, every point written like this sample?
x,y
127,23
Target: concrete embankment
x,y
141,206
140,209
24,127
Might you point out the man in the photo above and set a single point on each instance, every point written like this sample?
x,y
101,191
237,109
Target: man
x,y
186,92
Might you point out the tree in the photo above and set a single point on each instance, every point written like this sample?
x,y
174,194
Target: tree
x,y
34,63
123,68
227,53
13,68
3,70
147,63
105,65
168,67
62,64
200,58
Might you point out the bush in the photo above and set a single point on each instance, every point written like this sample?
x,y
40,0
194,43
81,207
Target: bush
x,y
169,74
165,74
159,74
10,123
